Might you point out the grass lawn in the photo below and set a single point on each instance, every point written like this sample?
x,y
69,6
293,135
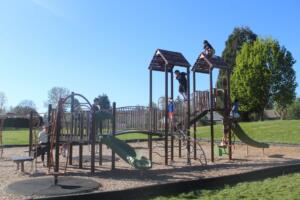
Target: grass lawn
x,y
283,131
134,136
280,188
16,136
287,131
20,136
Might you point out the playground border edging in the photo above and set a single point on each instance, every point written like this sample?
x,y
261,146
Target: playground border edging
x,y
183,186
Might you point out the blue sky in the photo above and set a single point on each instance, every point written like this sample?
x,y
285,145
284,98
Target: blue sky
x,y
105,46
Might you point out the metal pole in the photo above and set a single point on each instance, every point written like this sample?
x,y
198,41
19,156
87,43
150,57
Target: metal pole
x,y
30,133
151,115
113,155
172,125
188,118
166,114
211,114
194,114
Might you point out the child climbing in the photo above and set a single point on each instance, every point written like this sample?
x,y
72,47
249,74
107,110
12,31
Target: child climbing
x,y
209,51
235,109
181,77
171,109
95,108
226,116
43,145
226,129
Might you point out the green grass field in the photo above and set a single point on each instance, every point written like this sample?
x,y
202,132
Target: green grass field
x,y
20,137
287,131
282,131
16,136
281,188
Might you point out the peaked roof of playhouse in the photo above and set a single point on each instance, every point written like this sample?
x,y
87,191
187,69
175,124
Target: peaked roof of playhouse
x,y
202,65
171,58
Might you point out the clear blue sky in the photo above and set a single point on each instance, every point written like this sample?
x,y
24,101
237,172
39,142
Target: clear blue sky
x,y
105,46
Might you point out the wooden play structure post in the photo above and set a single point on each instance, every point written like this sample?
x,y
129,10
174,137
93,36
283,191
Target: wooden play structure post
x,y
49,133
113,154
70,145
211,114
172,124
228,71
166,113
188,116
30,133
57,142
93,137
81,132
100,142
152,115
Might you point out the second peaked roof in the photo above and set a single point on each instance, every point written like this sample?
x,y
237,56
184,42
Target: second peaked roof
x,y
171,58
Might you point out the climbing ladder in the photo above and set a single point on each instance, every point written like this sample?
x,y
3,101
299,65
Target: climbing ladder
x,y
181,135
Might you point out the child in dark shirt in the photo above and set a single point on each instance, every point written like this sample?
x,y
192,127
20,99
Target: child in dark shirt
x,y
181,77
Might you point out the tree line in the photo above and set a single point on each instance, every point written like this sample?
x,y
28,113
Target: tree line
x,y
54,94
262,75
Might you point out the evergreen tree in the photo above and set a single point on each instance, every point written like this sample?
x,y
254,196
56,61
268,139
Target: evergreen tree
x,y
104,101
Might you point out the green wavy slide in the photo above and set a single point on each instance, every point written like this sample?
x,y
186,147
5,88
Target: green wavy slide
x,y
127,153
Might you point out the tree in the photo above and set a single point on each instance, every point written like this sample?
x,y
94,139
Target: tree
x,y
283,79
55,93
3,101
263,74
25,107
104,101
233,45
293,111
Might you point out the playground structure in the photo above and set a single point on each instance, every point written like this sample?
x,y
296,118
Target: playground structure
x,y
81,125
74,123
78,123
79,132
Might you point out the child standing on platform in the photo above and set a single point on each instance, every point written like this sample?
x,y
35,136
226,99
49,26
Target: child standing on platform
x,y
209,51
171,109
235,109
